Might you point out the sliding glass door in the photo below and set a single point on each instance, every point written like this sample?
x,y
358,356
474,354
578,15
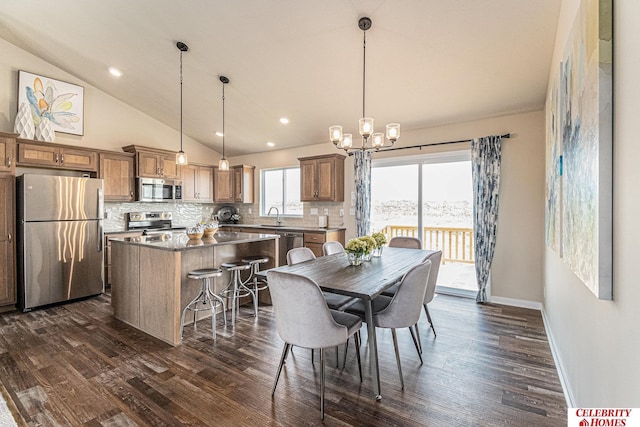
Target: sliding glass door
x,y
429,197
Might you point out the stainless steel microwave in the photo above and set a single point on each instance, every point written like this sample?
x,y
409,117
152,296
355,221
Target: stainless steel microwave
x,y
158,190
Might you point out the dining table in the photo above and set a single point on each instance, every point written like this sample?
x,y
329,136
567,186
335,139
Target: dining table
x,y
334,273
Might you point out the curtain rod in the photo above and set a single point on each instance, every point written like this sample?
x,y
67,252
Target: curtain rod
x,y
504,136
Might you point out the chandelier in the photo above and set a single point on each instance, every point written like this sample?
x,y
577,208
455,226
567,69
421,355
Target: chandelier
x,y
370,140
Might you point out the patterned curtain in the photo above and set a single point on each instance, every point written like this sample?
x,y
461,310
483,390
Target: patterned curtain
x,y
486,155
362,176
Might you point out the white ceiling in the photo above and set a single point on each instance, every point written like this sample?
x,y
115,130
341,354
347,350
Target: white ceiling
x,y
429,62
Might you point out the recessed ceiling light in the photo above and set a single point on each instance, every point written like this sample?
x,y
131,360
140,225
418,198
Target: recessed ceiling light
x,y
271,144
218,133
115,72
284,120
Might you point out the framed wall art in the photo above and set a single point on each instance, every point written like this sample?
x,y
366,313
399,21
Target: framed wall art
x,y
579,154
60,102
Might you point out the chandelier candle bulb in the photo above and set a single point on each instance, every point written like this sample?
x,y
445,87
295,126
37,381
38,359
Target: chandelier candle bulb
x,y
378,139
393,131
335,134
366,126
347,140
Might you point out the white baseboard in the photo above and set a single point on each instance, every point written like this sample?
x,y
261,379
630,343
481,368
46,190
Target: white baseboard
x,y
564,380
516,302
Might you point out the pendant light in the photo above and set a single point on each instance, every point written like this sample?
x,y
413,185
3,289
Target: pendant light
x,y
370,140
181,156
223,164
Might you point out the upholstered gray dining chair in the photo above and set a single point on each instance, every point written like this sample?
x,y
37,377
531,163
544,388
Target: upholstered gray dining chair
x,y
405,242
436,258
330,248
303,320
402,310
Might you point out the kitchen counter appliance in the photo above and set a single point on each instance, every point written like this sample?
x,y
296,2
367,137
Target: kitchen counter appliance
x,y
60,239
158,190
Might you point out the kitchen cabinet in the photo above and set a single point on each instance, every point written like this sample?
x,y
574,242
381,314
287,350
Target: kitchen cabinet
x,y
119,180
33,153
7,152
154,163
315,239
243,183
322,178
7,241
197,183
222,185
234,185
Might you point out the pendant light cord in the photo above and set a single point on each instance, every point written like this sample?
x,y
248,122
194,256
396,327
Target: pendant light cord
x,y
364,68
224,133
180,100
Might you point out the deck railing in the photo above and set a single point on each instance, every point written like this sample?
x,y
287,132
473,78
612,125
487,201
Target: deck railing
x,y
456,244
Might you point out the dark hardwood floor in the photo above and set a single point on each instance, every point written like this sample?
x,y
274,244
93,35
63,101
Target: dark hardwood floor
x,y
75,365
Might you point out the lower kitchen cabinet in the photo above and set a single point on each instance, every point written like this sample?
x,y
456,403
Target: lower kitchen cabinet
x,y
315,239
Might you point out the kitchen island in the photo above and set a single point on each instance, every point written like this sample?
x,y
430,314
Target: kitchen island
x,y
149,284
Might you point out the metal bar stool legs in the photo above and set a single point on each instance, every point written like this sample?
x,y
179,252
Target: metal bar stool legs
x,y
253,279
236,288
205,300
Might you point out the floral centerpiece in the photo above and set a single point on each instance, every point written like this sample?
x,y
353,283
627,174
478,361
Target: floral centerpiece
x,y
359,249
380,239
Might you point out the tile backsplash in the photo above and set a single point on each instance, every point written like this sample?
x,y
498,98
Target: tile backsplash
x,y
191,213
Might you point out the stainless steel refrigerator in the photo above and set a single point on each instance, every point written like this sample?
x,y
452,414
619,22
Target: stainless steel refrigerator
x,y
60,239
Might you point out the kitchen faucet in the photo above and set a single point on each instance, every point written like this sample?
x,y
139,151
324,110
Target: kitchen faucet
x,y
278,221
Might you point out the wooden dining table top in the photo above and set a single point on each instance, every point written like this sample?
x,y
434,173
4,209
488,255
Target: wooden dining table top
x,y
334,273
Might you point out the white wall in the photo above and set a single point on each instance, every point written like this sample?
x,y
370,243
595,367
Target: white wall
x,y
598,342
517,267
108,123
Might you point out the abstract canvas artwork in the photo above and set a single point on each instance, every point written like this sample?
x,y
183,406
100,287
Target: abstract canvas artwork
x,y
579,150
60,102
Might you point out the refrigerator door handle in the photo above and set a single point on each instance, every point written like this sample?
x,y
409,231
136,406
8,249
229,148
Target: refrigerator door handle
x,y
100,216
100,236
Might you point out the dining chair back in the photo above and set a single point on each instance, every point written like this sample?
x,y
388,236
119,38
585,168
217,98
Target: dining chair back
x,y
304,320
298,255
330,248
405,242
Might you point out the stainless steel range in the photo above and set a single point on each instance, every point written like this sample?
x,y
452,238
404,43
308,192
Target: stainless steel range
x,y
149,222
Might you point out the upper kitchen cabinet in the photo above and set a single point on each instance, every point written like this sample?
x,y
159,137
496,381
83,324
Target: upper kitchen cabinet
x,y
7,233
119,180
34,153
154,163
223,185
7,152
243,183
234,185
197,183
322,178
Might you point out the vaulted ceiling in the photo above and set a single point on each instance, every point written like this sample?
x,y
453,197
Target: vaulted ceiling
x,y
429,62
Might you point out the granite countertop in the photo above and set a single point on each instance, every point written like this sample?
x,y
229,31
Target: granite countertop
x,y
284,227
179,241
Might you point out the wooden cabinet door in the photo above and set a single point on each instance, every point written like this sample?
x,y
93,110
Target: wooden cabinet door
x,y
204,181
148,165
223,186
29,154
72,158
243,184
168,167
326,179
7,235
189,186
7,154
308,184
117,172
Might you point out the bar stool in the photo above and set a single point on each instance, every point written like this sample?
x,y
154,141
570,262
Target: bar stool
x,y
236,288
259,283
206,297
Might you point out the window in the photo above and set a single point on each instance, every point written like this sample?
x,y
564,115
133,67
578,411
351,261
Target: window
x,y
281,189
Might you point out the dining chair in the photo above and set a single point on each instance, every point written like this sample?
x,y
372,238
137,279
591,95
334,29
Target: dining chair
x,y
436,258
330,248
303,320
405,242
402,310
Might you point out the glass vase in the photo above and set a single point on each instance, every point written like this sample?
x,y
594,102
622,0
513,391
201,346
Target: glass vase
x,y
377,252
354,258
366,256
